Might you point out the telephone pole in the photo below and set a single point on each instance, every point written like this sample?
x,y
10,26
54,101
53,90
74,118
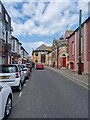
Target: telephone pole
x,y
80,64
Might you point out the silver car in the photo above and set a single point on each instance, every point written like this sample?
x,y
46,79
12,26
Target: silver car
x,y
26,70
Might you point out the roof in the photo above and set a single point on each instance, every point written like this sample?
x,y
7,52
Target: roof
x,y
70,31
43,47
14,38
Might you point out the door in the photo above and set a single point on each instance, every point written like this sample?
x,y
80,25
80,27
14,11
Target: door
x,y
82,67
71,66
64,62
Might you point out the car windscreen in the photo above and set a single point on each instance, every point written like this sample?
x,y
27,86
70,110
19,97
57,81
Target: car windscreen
x,y
8,69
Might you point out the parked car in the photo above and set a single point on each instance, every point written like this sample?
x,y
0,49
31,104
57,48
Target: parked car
x,y
6,97
12,75
29,65
25,69
39,66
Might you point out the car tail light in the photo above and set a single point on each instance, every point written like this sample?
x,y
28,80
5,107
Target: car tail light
x,y
17,75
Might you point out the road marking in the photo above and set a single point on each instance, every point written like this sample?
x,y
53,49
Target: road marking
x,y
24,85
45,115
54,104
26,80
20,94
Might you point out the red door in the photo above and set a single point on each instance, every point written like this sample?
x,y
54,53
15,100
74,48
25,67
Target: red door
x,y
82,67
64,62
71,66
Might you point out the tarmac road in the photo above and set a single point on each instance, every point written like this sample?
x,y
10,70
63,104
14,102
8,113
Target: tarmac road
x,y
48,94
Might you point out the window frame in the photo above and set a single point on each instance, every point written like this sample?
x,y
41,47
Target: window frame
x,y
72,48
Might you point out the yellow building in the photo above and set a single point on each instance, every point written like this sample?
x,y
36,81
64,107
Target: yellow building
x,y
40,55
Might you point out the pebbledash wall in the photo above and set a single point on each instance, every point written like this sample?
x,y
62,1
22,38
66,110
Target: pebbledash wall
x,y
85,48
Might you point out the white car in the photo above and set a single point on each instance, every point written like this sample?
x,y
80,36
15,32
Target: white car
x,y
6,97
12,75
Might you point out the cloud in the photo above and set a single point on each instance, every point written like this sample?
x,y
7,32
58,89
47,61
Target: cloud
x,y
39,18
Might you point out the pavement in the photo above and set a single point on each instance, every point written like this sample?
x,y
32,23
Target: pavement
x,y
83,79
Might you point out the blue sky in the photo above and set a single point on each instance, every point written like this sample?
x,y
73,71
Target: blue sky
x,y
37,22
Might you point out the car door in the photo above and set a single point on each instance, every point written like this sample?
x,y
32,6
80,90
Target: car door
x,y
1,108
22,75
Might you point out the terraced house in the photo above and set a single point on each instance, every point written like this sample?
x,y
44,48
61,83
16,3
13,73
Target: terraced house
x,y
40,55
5,35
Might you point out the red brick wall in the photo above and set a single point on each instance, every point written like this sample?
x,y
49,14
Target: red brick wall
x,y
88,40
71,39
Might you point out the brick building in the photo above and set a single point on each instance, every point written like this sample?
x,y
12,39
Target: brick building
x,y
85,48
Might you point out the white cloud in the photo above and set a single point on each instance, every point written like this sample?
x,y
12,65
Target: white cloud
x,y
57,17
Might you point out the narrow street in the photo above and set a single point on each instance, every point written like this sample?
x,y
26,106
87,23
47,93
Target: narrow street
x,y
48,94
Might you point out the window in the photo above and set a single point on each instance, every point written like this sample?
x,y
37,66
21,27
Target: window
x,y
3,32
6,17
72,48
18,48
36,53
43,58
0,8
9,33
36,61
81,45
13,47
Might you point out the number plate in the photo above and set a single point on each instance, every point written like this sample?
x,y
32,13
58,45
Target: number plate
x,y
4,77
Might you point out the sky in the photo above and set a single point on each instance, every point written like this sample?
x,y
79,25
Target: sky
x,y
37,22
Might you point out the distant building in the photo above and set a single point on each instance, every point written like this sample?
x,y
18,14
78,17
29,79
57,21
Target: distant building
x,y
60,51
5,35
49,58
63,54
40,55
54,53
24,56
15,50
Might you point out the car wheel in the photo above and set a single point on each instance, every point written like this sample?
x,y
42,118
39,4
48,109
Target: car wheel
x,y
8,107
20,86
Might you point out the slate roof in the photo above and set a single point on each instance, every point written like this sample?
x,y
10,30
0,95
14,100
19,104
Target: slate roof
x,y
43,47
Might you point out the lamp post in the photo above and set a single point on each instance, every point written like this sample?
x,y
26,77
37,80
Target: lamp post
x,y
80,64
6,47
